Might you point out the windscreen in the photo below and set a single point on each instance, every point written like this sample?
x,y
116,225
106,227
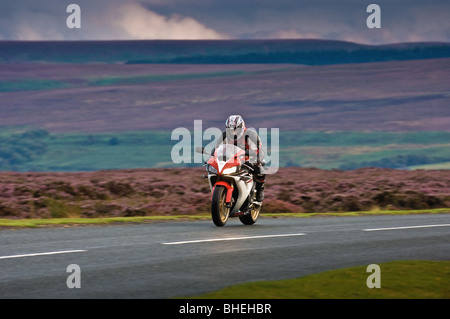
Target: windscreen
x,y
227,151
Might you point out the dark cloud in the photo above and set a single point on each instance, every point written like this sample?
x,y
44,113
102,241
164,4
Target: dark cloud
x,y
402,20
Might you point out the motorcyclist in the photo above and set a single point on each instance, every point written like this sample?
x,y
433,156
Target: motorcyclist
x,y
236,133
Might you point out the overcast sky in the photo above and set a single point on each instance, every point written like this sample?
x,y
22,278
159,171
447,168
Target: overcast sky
x,y
401,20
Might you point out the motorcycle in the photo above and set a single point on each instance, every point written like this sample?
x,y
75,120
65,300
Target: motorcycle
x,y
232,185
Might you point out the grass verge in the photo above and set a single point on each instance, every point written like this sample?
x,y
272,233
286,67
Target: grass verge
x,y
410,279
141,219
363,213
92,221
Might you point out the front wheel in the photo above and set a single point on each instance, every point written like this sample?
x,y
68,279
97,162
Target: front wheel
x,y
219,211
251,218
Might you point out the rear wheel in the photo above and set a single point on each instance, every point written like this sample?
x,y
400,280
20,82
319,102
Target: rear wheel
x,y
251,218
219,211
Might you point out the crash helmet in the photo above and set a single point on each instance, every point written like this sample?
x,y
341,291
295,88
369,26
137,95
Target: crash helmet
x,y
235,125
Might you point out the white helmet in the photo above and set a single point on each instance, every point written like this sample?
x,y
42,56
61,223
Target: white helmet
x,y
235,124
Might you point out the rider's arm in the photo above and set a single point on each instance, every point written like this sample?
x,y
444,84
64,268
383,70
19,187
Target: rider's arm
x,y
255,145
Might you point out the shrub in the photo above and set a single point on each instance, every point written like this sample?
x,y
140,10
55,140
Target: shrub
x,y
118,188
181,191
59,209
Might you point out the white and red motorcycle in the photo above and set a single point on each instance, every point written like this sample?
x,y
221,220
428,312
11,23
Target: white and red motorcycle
x,y
232,186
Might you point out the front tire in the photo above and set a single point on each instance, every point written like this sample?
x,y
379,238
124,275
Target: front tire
x,y
219,212
252,217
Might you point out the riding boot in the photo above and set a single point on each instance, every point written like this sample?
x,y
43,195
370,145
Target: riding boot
x,y
259,192
260,178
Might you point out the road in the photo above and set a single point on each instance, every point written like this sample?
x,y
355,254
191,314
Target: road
x,y
168,259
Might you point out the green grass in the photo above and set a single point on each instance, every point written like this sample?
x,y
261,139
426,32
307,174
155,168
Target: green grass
x,y
362,213
412,279
87,152
141,219
20,223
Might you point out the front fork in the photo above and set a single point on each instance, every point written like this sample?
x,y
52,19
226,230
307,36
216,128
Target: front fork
x,y
229,192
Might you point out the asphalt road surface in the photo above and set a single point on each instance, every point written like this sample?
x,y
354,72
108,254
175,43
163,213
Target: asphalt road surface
x,y
169,259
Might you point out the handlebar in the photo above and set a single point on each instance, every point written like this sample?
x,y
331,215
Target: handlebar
x,y
252,156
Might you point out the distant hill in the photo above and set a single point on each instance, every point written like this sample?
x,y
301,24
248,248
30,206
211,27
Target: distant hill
x,y
82,106
308,52
391,96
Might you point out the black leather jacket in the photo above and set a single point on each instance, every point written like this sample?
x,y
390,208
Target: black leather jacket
x,y
250,142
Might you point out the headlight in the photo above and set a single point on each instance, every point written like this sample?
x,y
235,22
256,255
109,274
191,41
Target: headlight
x,y
230,170
211,169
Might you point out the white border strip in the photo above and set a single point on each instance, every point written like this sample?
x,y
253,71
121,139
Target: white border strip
x,y
43,254
231,238
407,227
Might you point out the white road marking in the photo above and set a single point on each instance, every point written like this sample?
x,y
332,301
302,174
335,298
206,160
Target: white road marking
x,y
406,227
230,238
43,254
